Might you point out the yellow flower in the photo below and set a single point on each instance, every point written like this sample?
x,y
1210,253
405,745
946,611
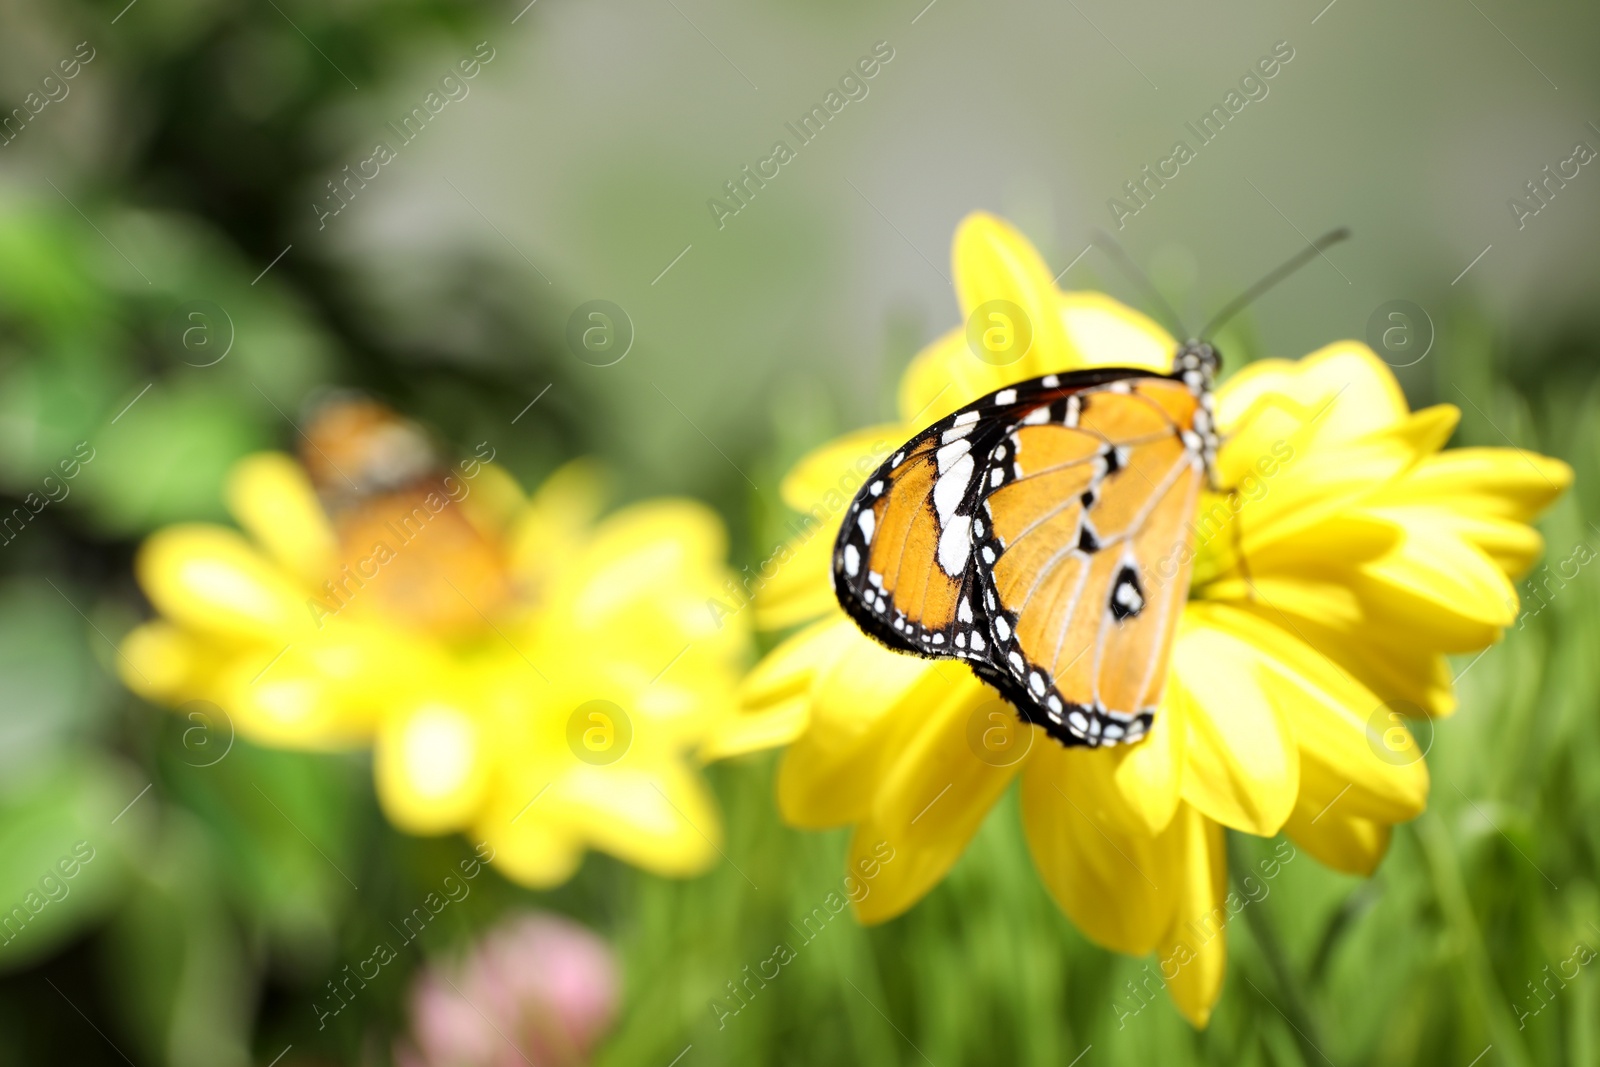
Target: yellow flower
x,y
527,672
1327,590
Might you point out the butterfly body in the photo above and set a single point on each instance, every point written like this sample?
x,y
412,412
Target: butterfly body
x,y
1041,535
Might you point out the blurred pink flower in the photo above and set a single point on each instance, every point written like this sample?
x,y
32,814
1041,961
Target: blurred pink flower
x,y
535,989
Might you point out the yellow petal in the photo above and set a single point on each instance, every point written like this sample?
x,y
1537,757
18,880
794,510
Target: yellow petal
x,y
862,710
1334,836
1241,764
1349,538
576,491
523,843
1119,888
1101,332
792,583
648,571
325,692
1337,722
994,264
494,499
775,697
1432,575
687,696
284,704
739,735
1194,953
793,667
210,579
945,376
271,496
657,816
1510,545
431,767
1400,799
663,533
1149,775
1348,390
929,804
1503,483
1079,328
1416,679
1147,778
801,585
159,661
557,519
1348,601
825,480
1315,482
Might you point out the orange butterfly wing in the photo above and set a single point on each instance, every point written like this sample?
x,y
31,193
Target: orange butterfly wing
x,y
1039,534
1085,554
902,564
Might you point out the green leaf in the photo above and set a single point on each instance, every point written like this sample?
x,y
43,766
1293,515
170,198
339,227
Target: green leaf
x,y
66,831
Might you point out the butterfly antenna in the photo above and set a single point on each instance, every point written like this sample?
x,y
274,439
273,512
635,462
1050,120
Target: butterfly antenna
x,y
1109,245
1294,263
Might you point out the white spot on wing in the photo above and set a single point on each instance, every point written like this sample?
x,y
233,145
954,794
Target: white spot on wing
x,y
1005,396
950,453
951,487
955,544
852,560
868,523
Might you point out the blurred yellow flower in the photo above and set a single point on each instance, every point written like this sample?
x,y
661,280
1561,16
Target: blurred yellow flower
x,y
526,671
1327,589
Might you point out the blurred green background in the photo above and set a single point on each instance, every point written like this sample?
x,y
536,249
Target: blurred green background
x,y
180,172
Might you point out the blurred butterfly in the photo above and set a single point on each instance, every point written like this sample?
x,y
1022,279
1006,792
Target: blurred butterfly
x,y
1022,535
407,547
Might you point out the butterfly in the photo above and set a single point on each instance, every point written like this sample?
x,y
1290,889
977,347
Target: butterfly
x,y
1038,535
1042,534
409,549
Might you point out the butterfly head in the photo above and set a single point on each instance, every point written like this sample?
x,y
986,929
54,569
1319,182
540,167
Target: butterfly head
x,y
1197,363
